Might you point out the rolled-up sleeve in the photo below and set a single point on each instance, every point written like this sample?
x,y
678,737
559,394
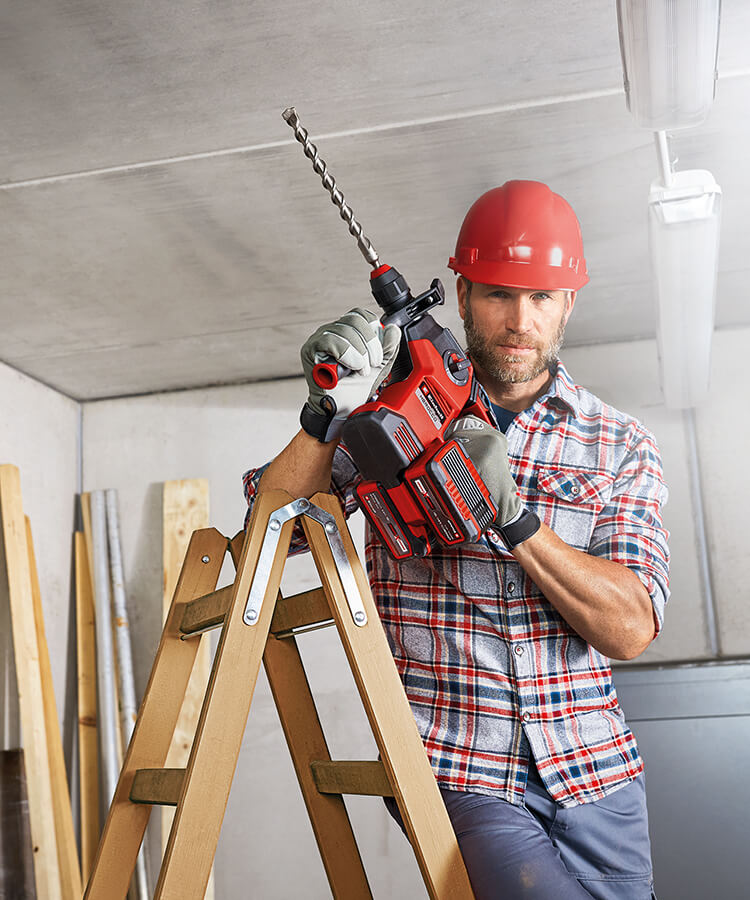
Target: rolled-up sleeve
x,y
629,529
344,479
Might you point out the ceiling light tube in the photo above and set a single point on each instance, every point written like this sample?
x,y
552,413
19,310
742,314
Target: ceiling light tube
x,y
665,164
684,222
669,54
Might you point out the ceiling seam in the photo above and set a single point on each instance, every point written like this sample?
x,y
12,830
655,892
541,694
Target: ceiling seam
x,y
328,136
325,136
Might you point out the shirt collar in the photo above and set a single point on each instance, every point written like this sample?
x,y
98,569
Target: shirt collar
x,y
562,390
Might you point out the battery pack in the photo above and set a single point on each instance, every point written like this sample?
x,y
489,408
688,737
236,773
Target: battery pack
x,y
451,493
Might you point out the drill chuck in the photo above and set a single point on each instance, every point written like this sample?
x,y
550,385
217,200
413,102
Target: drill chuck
x,y
390,290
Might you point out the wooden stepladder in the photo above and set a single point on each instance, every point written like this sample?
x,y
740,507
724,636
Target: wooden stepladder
x,y
259,624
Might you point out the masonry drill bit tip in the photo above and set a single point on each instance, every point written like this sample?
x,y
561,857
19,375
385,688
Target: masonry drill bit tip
x,y
329,183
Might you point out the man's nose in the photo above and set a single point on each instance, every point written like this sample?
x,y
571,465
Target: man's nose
x,y
519,318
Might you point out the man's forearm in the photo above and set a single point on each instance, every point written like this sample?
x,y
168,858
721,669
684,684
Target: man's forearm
x,y
303,467
603,601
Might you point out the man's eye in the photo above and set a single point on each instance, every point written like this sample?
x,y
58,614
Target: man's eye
x,y
542,296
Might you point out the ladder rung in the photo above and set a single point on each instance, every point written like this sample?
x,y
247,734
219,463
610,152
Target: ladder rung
x,y
157,786
300,611
206,612
351,777
297,611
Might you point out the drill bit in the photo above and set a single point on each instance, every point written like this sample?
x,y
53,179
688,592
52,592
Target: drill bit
x,y
329,183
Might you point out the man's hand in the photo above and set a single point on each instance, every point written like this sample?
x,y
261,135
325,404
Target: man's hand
x,y
360,343
487,448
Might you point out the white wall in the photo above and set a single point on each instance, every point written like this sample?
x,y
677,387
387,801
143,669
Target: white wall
x,y
136,444
39,435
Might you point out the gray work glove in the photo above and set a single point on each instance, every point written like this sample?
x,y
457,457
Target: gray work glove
x,y
362,345
487,448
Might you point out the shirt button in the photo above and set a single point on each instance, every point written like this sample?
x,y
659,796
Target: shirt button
x,y
511,587
575,490
526,717
518,650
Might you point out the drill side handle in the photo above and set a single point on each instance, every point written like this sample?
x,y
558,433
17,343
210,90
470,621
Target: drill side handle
x,y
327,372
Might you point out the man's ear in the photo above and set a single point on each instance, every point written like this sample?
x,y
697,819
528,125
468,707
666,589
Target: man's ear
x,y
569,302
462,293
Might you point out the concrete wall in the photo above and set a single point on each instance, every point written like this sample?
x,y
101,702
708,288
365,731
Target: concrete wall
x,y
218,433
39,435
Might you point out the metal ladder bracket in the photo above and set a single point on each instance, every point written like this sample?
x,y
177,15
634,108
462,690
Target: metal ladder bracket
x,y
302,507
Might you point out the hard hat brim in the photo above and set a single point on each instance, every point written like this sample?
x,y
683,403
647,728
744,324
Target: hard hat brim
x,y
526,276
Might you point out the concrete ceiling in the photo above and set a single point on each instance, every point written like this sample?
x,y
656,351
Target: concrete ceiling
x,y
160,228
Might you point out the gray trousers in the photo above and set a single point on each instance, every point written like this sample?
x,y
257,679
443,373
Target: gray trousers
x,y
542,851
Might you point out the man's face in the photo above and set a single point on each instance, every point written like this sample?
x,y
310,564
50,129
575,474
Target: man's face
x,y
513,335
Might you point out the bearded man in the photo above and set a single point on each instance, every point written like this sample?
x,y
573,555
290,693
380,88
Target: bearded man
x,y
504,644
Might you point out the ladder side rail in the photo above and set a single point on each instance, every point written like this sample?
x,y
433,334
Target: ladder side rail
x,y
126,821
304,736
218,738
306,742
391,719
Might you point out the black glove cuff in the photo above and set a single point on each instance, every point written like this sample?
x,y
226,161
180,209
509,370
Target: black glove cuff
x,y
520,530
314,423
317,424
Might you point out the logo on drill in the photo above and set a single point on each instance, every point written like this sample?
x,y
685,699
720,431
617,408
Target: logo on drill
x,y
430,404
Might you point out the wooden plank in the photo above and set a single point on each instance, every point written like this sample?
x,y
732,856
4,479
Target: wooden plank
x,y
361,777
67,849
88,758
185,508
307,743
390,716
31,702
162,700
89,536
16,859
160,786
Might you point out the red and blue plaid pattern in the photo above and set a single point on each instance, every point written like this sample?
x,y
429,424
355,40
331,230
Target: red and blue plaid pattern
x,y
492,672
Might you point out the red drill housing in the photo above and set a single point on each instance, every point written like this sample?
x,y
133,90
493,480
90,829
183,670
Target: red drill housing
x,y
417,486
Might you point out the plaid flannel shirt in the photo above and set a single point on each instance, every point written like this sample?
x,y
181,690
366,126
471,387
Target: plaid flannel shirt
x,y
492,671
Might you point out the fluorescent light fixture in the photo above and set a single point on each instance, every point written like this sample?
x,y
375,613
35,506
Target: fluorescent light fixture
x,y
684,221
669,51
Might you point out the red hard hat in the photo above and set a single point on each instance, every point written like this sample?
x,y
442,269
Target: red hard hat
x,y
521,235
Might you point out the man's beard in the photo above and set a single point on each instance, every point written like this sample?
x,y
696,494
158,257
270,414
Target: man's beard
x,y
503,367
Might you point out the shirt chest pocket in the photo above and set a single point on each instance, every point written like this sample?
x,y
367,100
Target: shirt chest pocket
x,y
570,501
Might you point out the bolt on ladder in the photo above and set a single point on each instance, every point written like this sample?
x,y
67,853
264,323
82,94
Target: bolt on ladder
x,y
259,624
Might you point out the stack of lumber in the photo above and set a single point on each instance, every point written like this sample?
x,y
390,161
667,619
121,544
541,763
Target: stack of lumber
x,y
56,871
38,852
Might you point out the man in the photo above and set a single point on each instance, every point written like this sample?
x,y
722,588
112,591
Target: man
x,y
503,645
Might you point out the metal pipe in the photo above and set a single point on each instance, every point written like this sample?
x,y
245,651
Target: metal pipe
x,y
126,677
105,669
704,560
662,152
